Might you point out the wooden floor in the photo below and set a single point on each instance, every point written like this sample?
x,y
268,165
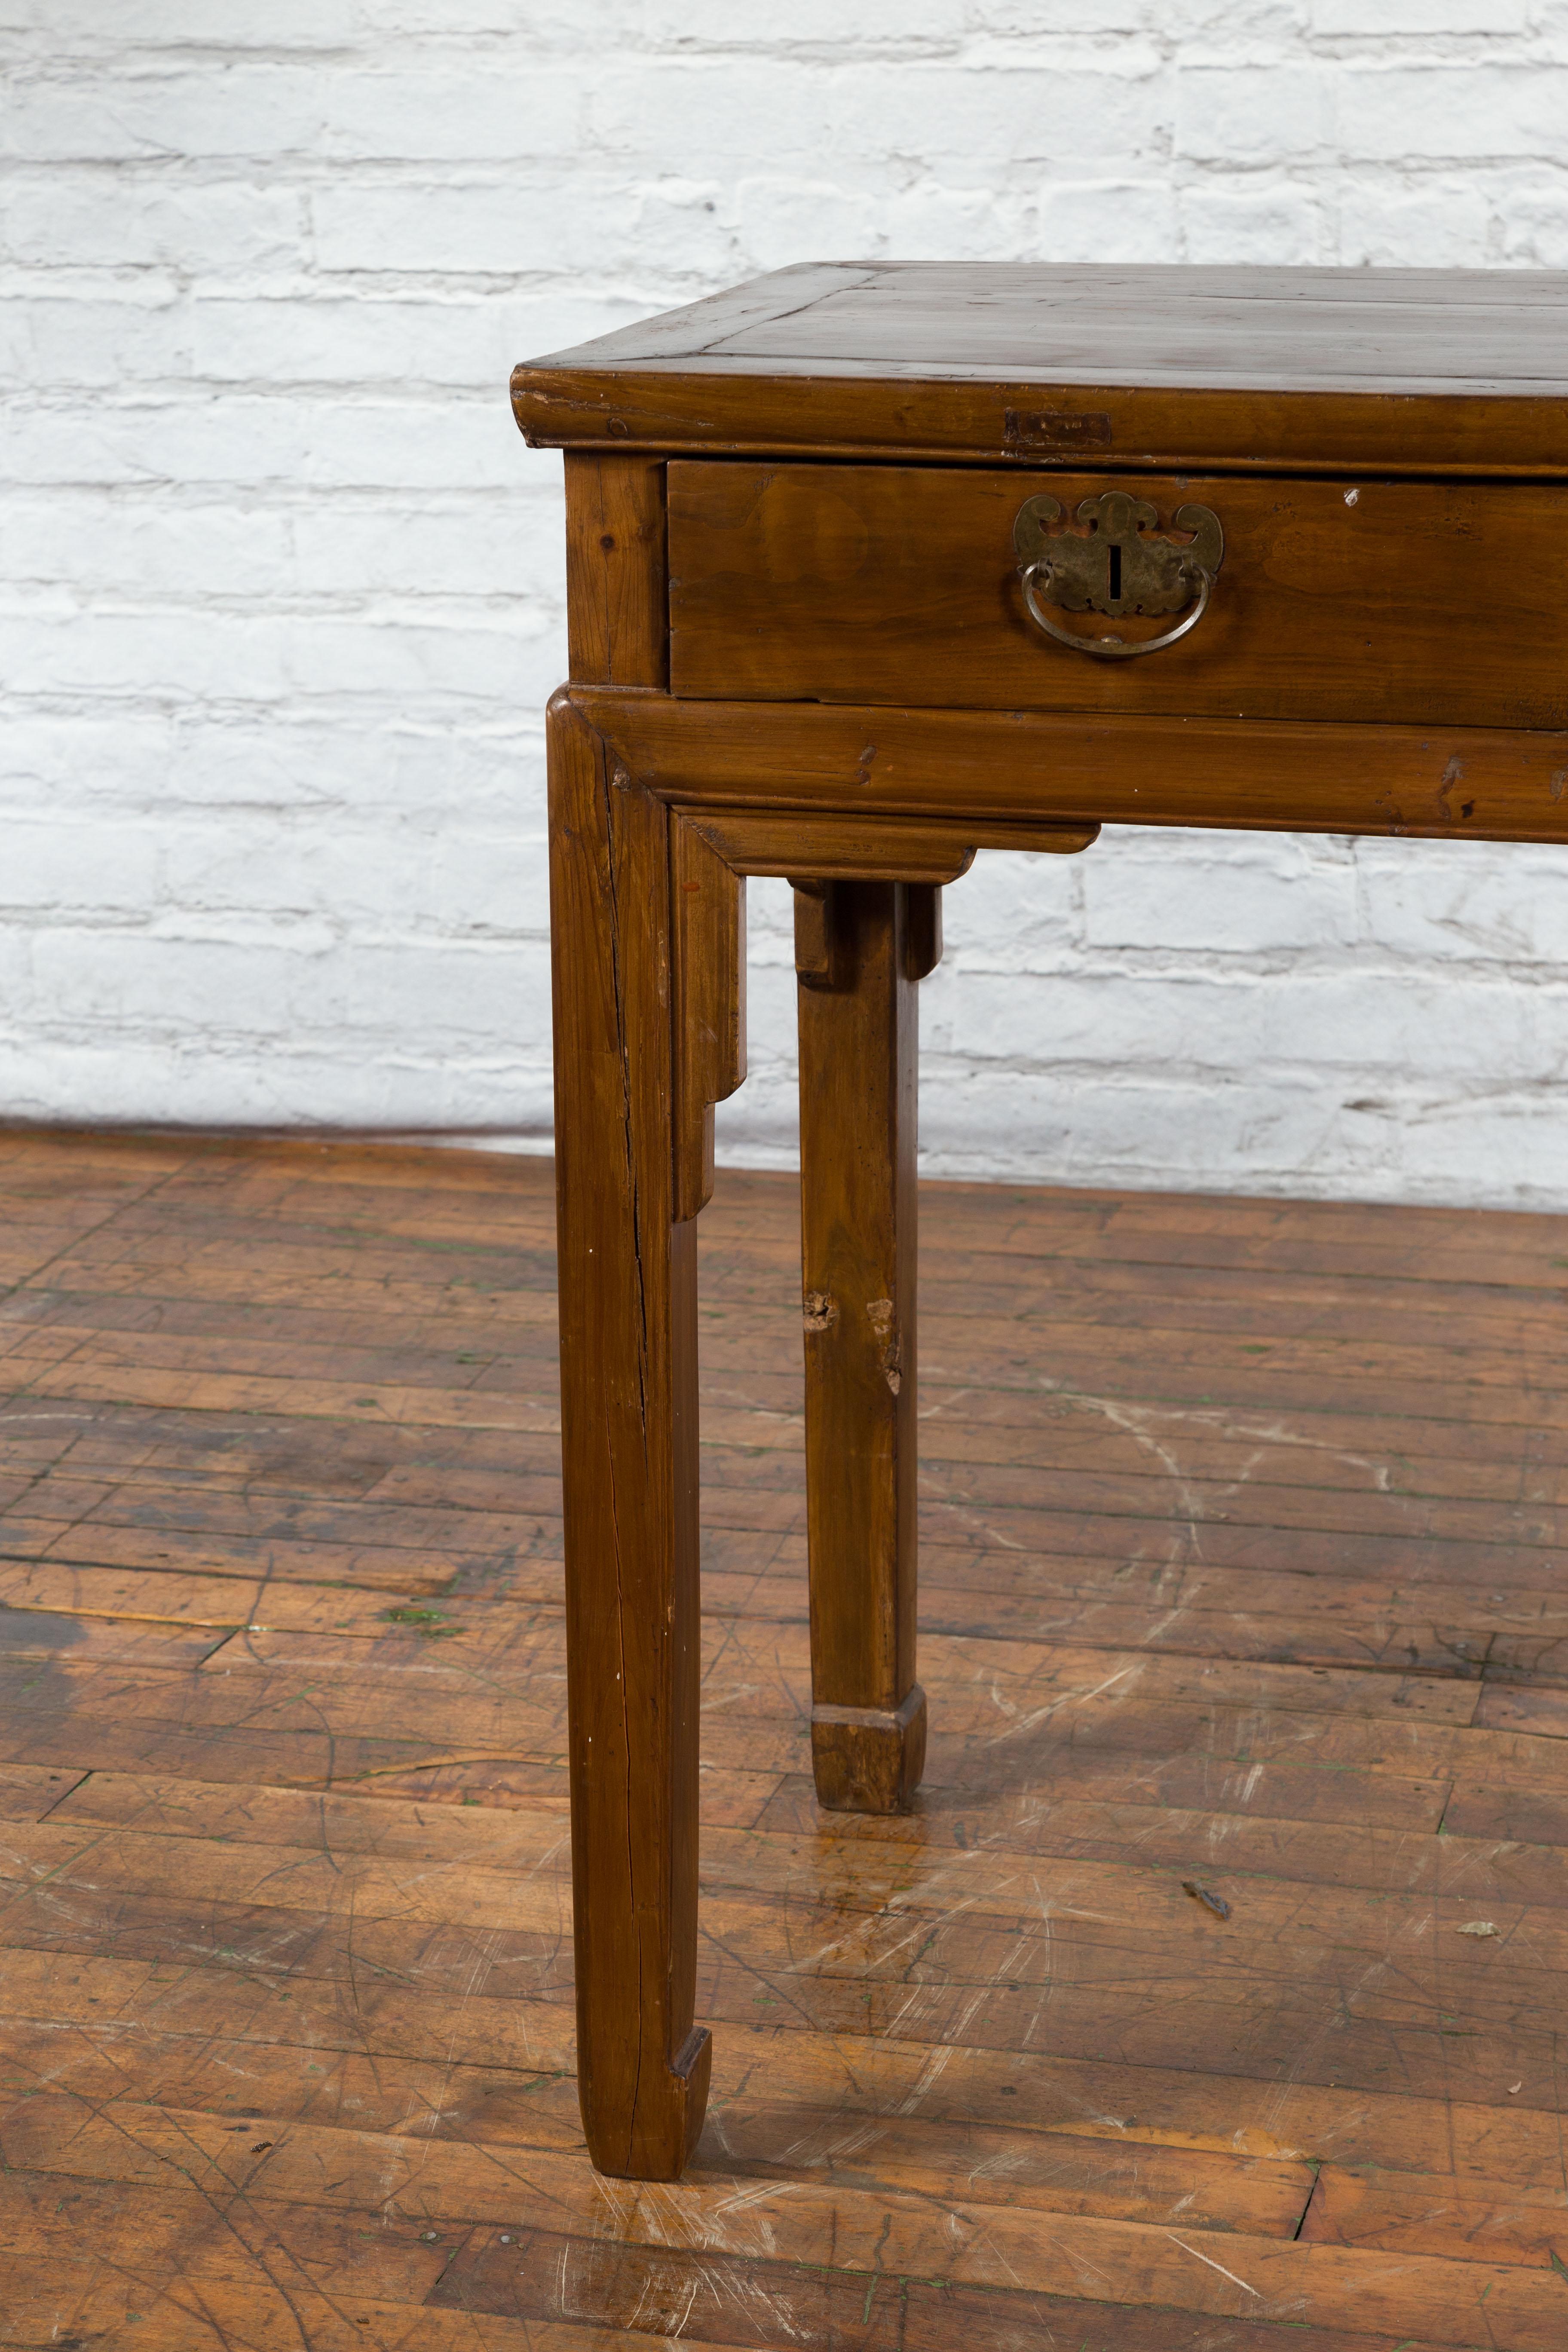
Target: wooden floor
x,y
1209,2002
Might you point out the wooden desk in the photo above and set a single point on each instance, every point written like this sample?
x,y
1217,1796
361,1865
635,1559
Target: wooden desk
x,y
831,538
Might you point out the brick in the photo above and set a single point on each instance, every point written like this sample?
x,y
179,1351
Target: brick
x,y
285,760
1533,225
1107,220
1369,1020
1452,109
79,27
1270,221
1255,901
369,337
86,337
71,868
1267,114
80,762
1034,19
513,548
1020,912
1016,114
946,224
465,226
1434,905
444,885
641,109
252,111
315,444
100,221
136,545
346,339
1406,16
813,23
781,221
230,658
1425,221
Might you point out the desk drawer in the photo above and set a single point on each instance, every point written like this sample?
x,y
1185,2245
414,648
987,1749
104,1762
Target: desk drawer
x,y
1404,602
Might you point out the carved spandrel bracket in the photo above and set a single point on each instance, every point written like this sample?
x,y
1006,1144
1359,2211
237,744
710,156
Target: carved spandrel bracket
x,y
712,850
708,926
811,844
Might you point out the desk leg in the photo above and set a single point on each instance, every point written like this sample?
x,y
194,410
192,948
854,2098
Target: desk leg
x,y
628,1411
860,947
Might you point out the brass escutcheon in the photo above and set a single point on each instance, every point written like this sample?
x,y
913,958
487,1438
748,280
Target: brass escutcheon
x,y
1117,565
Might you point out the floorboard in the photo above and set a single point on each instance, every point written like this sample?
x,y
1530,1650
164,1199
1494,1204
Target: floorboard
x,y
1209,2002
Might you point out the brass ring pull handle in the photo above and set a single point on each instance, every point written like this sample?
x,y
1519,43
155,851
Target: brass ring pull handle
x,y
1118,565
1112,648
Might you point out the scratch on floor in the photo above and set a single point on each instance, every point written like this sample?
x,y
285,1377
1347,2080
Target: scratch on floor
x,y
1068,1698
1241,2283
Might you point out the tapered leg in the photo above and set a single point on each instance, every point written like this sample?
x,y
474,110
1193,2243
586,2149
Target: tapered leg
x,y
628,1344
859,949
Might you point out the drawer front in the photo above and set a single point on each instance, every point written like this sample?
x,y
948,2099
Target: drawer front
x,y
1405,602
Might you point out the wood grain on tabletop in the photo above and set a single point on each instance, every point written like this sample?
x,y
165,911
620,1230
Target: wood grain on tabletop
x,y
1406,371
1239,1568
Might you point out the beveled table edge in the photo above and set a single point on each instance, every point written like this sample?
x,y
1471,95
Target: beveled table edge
x,y
662,408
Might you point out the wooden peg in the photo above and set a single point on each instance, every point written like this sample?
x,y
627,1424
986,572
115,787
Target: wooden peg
x,y
815,963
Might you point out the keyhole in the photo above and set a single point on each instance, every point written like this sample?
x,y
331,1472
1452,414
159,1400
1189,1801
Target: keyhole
x,y
1115,575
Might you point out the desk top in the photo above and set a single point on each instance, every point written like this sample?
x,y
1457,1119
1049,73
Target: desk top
x,y
1409,370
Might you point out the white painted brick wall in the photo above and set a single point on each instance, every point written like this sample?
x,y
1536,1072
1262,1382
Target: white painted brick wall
x,y
282,588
